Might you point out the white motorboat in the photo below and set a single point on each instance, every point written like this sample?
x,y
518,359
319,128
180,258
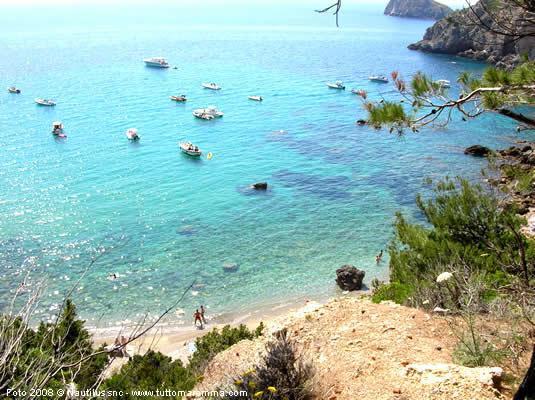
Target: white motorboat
x,y
190,149
132,134
13,89
378,78
208,113
336,85
57,129
156,62
211,86
443,83
45,102
256,98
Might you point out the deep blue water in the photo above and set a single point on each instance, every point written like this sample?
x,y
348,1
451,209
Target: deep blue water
x,y
166,220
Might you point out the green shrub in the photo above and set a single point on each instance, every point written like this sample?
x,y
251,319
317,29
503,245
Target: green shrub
x,y
150,372
214,342
395,291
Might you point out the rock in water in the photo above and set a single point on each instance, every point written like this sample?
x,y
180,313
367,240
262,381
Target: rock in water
x,y
477,150
426,9
230,267
349,278
457,34
260,186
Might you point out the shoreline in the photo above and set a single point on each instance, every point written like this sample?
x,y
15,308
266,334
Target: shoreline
x,y
177,340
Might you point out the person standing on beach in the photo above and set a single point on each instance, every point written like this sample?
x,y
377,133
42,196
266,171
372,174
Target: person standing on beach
x,y
198,317
202,314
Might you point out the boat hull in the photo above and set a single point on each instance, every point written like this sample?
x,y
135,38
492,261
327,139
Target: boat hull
x,y
153,64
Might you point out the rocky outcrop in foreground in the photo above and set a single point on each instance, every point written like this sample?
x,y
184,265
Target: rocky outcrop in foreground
x,y
425,9
457,34
360,350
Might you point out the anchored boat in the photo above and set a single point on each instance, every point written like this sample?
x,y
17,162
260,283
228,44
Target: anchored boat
x,y
208,113
211,86
179,99
336,85
256,98
156,62
378,78
57,129
190,149
45,102
132,134
13,89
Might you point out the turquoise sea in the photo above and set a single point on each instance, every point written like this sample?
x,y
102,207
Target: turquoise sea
x,y
166,220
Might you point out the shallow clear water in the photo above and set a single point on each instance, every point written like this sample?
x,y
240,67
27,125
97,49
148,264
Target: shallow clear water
x,y
167,220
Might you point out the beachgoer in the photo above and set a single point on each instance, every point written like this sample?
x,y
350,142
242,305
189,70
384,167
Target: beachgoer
x,y
202,314
197,317
379,257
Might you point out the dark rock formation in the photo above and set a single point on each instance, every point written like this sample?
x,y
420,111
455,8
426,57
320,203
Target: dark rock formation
x,y
260,186
457,34
349,278
426,9
477,150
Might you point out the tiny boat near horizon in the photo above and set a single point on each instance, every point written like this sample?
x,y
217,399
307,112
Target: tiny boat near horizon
x,y
211,86
45,102
336,85
190,149
443,83
378,78
156,62
179,99
57,129
132,134
207,113
256,98
13,89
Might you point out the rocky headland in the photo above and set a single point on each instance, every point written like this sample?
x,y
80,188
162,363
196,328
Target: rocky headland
x,y
459,34
424,9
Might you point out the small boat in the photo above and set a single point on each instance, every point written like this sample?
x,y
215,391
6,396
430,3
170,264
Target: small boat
x,y
132,134
190,149
207,113
156,62
13,89
57,129
211,86
443,83
336,85
378,78
256,98
180,99
45,102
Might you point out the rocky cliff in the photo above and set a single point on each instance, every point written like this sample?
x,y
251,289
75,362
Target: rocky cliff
x,y
428,9
457,34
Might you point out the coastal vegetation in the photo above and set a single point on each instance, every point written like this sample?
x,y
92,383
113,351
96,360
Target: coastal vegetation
x,y
281,375
61,355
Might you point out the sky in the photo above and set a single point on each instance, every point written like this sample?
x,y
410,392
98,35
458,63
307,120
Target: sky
x,y
201,3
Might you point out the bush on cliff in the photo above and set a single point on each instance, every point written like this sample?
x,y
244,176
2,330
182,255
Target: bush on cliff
x,y
282,374
470,234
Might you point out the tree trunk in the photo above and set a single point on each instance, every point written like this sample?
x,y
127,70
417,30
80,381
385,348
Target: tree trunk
x,y
526,391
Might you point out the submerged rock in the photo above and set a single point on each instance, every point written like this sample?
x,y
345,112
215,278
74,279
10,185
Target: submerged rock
x,y
260,186
477,150
349,277
426,9
230,267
